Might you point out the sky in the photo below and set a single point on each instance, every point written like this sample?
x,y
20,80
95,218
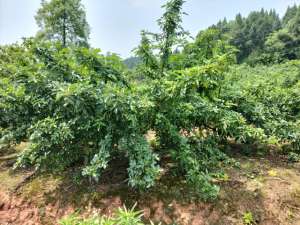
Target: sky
x,y
116,24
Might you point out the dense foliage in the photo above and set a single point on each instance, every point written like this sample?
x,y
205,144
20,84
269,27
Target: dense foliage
x,y
263,37
269,98
74,107
207,46
78,108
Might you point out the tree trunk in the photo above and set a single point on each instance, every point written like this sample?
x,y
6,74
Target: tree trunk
x,y
64,26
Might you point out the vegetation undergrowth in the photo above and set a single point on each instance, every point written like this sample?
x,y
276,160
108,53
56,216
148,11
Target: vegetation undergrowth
x,y
123,216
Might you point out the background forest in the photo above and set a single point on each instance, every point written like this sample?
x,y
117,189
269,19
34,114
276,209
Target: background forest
x,y
179,106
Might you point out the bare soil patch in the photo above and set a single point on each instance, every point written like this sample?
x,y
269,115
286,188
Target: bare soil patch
x,y
266,187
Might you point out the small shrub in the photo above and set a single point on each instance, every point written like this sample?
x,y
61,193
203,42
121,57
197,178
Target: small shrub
x,y
293,157
123,216
248,219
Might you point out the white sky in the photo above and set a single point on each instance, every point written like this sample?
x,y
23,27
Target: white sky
x,y
116,24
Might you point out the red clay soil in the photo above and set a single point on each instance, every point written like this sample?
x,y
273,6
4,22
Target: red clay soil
x,y
17,211
269,191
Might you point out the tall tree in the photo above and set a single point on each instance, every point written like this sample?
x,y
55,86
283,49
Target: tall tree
x,y
249,34
294,24
284,44
63,20
290,13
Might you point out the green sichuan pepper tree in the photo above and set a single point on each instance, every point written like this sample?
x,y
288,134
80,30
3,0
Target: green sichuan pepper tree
x,y
190,121
75,108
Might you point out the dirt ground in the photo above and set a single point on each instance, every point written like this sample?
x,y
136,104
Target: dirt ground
x,y
267,188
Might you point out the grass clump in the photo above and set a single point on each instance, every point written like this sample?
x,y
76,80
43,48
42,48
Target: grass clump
x,y
123,216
